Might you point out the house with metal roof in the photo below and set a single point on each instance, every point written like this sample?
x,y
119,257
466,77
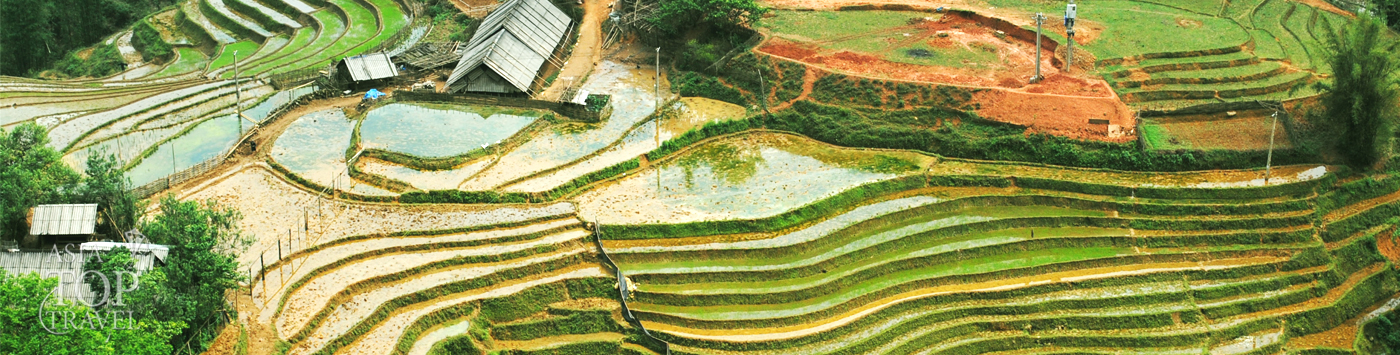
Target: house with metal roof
x,y
62,223
510,47
366,68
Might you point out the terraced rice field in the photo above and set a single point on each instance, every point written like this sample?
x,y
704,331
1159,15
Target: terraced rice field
x,y
754,241
435,131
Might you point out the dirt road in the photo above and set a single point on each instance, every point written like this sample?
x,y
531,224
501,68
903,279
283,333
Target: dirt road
x,y
587,51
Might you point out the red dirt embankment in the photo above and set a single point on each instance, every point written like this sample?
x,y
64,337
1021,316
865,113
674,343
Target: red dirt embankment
x,y
1060,104
1059,115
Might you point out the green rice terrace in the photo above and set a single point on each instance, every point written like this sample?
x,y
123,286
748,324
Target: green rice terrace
x,y
778,177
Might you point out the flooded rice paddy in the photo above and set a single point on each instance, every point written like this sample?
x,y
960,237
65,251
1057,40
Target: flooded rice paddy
x,y
743,177
633,99
433,131
313,146
205,141
686,114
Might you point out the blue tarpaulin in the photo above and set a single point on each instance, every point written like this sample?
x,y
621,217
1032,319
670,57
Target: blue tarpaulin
x,y
374,94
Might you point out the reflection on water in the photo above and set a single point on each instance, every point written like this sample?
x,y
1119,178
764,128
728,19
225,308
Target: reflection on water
x,y
731,163
745,177
204,142
314,146
438,130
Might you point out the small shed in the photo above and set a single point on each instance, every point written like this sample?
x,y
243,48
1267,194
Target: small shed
x,y
510,47
70,223
367,69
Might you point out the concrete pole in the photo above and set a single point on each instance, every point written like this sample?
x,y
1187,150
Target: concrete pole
x,y
1269,162
1039,21
657,112
237,96
1069,55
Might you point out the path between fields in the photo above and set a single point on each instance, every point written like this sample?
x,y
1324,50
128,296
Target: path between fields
x,y
809,79
587,51
771,334
1353,209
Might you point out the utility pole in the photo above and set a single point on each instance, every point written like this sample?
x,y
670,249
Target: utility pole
x,y
1269,162
1039,21
1070,14
657,112
237,96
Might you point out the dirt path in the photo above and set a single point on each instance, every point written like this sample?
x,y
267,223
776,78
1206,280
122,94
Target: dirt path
x,y
1353,209
789,332
556,341
809,79
587,51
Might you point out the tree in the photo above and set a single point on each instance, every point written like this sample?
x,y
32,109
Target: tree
x,y
107,186
1390,11
22,333
200,268
675,16
1362,96
30,175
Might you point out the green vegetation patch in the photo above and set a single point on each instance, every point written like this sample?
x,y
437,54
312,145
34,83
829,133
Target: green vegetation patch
x,y
835,25
190,59
244,48
1135,28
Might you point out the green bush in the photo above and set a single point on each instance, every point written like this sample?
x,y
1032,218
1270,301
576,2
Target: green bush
x,y
587,348
581,322
695,84
104,60
976,138
458,345
147,41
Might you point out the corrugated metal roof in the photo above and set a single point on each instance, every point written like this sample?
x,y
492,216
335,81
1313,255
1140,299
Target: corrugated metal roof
x,y
64,219
514,41
370,67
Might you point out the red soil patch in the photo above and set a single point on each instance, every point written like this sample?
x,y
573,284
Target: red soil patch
x,y
1389,245
789,49
1067,85
1059,115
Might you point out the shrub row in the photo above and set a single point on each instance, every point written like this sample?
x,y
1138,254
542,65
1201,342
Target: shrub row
x,y
916,241
1257,192
584,348
1191,66
1372,289
951,207
835,286
388,308
317,188
1344,228
1356,255
1357,191
1201,81
1141,96
464,310
576,322
940,301
1252,305
397,186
